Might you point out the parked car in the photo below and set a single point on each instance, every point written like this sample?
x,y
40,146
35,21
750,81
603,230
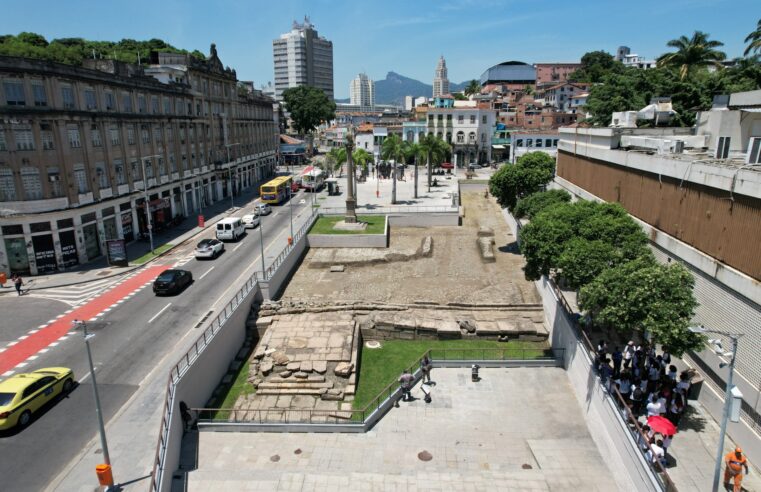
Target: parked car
x,y
172,281
262,209
209,248
250,220
23,394
473,166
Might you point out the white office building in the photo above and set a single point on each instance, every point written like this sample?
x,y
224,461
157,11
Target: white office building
x,y
302,57
440,80
362,92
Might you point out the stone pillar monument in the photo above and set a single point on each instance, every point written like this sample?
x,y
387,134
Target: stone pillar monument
x,y
351,198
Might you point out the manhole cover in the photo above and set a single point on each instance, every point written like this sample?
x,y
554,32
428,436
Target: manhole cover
x,y
373,344
424,456
275,458
298,451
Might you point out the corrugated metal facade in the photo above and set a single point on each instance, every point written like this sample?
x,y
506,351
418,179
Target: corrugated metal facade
x,y
703,217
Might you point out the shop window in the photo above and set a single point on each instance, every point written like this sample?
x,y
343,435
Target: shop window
x,y
65,223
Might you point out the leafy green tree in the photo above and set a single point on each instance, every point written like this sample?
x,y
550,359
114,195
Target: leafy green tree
x,y
308,107
546,238
33,38
528,175
582,260
473,88
435,150
531,205
595,65
754,40
692,53
392,149
411,152
334,160
361,159
644,296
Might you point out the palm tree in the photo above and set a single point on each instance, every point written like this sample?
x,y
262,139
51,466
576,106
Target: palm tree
x,y
435,149
754,40
391,149
412,151
695,52
472,88
335,159
361,158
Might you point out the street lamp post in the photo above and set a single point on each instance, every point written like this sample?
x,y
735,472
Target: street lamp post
x,y
98,410
261,243
734,337
147,203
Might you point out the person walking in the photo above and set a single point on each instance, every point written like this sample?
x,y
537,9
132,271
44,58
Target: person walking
x,y
628,354
405,382
425,366
18,283
735,461
617,357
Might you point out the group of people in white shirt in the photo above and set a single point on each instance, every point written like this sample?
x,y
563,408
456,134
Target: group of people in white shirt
x,y
649,384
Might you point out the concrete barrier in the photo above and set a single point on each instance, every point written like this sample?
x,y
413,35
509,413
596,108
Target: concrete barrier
x,y
425,220
272,287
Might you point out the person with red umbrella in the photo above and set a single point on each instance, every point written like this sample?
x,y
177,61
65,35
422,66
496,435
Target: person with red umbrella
x,y
661,425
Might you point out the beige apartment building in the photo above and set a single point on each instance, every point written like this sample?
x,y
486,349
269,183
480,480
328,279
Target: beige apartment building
x,y
80,145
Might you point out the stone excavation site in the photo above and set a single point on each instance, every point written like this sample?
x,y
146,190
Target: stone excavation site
x,y
461,282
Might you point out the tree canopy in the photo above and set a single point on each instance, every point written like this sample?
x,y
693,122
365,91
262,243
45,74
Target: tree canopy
x,y
595,66
754,40
435,149
73,51
531,205
692,53
531,172
556,238
643,295
308,107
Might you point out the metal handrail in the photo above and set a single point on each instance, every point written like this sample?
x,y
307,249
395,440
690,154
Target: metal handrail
x,y
464,354
201,342
390,210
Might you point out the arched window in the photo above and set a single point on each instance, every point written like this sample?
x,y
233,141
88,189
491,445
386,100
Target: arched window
x,y
460,137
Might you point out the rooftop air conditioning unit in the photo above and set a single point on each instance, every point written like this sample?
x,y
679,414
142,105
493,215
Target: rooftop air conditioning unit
x,y
678,146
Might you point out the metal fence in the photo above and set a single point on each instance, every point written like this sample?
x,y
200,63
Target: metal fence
x,y
400,209
390,392
659,471
200,344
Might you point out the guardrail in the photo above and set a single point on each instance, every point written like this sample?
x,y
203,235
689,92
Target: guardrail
x,y
659,471
351,420
200,344
401,209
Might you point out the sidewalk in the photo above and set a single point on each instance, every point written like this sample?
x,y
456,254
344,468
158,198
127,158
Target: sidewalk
x,y
99,269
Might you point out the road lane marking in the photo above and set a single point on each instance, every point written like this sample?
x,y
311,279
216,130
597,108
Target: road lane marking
x,y
159,313
82,379
7,373
238,246
205,274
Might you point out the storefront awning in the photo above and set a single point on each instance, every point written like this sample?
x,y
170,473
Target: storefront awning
x,y
498,147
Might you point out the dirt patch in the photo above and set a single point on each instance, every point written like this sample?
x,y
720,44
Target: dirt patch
x,y
454,272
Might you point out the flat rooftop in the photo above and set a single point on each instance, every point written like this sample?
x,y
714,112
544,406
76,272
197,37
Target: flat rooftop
x,y
516,429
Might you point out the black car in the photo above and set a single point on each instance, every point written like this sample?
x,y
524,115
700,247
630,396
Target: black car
x,y
172,281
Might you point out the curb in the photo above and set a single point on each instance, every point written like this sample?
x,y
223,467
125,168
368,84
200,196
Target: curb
x,y
130,269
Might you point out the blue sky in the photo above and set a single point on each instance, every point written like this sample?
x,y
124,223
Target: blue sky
x,y
404,36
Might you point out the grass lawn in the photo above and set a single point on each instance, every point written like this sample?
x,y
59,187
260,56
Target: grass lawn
x,y
150,255
381,367
228,396
324,225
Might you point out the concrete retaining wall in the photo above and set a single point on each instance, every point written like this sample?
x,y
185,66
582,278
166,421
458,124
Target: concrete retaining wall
x,y
425,219
608,430
196,385
271,288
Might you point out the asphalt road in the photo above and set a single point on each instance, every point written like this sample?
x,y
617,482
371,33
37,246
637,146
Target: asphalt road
x,y
130,339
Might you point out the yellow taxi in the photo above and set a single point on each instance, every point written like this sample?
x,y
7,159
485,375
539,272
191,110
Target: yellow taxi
x,y
23,394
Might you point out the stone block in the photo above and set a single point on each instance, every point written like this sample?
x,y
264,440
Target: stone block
x,y
337,268
320,366
343,369
487,328
484,231
448,329
467,325
306,366
300,375
507,327
333,394
293,366
486,248
266,367
279,358
284,374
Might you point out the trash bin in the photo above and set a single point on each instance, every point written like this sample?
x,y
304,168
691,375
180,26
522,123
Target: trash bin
x,y
105,477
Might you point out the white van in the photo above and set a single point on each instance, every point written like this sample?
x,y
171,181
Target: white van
x,y
229,229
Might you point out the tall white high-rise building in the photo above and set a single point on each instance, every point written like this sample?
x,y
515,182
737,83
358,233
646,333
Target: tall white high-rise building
x,y
302,57
440,80
362,92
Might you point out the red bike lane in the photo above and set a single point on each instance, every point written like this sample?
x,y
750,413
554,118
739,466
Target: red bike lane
x,y
33,343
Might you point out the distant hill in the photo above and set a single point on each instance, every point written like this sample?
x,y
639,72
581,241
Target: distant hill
x,y
394,87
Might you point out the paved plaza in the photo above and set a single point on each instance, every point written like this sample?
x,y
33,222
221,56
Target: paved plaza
x,y
516,429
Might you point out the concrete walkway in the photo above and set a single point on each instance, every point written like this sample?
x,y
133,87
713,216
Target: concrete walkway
x,y
516,429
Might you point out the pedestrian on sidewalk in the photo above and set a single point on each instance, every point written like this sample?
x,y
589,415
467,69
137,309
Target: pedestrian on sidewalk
x,y
17,282
617,357
628,354
405,382
735,461
425,366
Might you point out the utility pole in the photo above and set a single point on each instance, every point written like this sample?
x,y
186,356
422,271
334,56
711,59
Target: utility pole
x,y
98,410
147,202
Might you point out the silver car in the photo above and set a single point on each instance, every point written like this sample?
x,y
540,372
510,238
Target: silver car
x,y
209,248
